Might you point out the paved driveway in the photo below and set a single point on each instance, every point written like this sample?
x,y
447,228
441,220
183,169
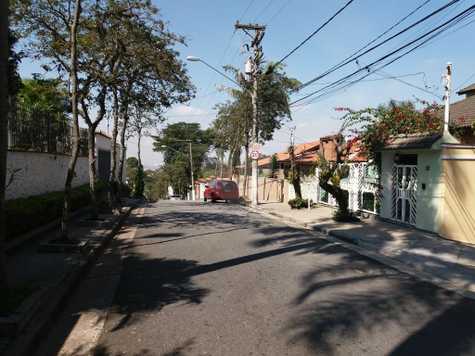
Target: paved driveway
x,y
215,279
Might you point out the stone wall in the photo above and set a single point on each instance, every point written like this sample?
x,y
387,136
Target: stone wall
x,y
37,173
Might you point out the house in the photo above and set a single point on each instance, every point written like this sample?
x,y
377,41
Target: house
x,y
427,179
305,157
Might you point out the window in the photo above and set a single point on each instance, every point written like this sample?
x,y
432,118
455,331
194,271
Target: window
x,y
368,201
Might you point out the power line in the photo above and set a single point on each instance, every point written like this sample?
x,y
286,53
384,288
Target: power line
x,y
465,82
351,58
459,17
315,32
284,5
247,9
381,67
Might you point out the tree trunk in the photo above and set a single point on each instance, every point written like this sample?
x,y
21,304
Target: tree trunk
x,y
75,121
139,155
91,150
123,147
246,169
4,71
113,189
295,178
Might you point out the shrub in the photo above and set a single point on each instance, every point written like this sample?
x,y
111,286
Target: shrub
x,y
299,203
25,214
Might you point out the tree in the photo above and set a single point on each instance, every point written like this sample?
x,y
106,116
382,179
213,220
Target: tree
x,y
332,169
52,28
131,170
42,107
174,143
274,164
156,184
233,125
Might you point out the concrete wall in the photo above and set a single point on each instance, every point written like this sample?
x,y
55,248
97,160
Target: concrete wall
x,y
458,213
39,173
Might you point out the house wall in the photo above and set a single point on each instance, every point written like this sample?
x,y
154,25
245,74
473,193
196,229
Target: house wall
x,y
458,213
39,173
429,200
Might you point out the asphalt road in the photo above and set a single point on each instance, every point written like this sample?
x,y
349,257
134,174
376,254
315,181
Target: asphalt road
x,y
215,279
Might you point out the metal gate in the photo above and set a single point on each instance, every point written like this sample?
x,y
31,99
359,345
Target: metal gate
x,y
404,207
104,165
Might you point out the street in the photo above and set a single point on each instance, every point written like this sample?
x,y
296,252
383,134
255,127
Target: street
x,y
216,279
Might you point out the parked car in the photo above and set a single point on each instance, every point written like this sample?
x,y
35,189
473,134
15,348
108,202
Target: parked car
x,y
222,189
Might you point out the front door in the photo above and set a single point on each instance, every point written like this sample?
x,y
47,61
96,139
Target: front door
x,y
404,193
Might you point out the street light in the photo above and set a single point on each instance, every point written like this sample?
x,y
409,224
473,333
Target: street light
x,y
191,165
198,59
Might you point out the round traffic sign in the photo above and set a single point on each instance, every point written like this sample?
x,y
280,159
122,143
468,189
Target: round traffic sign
x,y
254,154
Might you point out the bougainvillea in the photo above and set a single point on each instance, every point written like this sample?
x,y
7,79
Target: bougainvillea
x,y
375,126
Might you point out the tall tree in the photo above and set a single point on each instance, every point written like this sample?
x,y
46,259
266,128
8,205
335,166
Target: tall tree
x,y
174,143
52,28
236,115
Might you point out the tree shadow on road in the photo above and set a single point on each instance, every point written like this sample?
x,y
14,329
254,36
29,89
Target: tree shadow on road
x,y
149,284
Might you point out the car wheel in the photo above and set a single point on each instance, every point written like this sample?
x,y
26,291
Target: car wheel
x,y
205,199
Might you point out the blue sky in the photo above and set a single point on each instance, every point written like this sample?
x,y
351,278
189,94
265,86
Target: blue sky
x,y
209,25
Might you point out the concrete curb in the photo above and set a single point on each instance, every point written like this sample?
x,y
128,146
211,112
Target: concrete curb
x,y
352,244
26,341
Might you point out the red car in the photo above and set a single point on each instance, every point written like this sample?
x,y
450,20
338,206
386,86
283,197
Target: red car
x,y
221,190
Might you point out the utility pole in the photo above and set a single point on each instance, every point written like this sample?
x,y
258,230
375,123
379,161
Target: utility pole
x,y
192,175
448,86
256,33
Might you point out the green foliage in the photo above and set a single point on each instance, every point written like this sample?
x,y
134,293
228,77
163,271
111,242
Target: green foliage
x,y
274,164
173,143
139,183
131,166
25,214
374,126
156,184
299,203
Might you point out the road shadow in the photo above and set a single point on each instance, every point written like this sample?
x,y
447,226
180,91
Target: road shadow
x,y
348,298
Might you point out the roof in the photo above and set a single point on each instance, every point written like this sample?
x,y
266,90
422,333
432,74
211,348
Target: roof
x,y
357,152
299,150
468,89
102,133
414,141
462,113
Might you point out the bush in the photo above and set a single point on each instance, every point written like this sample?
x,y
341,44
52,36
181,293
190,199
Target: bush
x,y
299,203
25,214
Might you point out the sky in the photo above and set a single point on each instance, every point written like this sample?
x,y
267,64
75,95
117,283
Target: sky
x,y
208,27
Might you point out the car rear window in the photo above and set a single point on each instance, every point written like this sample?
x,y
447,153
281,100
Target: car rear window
x,y
228,186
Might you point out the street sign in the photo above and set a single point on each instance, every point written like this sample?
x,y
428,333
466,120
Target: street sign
x,y
254,154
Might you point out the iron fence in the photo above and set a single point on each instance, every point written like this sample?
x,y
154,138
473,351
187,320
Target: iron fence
x,y
43,134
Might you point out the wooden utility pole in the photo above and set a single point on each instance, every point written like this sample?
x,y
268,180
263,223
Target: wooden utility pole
x,y
256,33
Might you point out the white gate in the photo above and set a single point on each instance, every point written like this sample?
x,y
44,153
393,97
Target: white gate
x,y
404,207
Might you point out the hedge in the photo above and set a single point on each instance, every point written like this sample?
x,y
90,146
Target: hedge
x,y
25,214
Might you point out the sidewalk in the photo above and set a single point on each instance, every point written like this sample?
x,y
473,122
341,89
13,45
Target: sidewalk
x,y
446,263
53,275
